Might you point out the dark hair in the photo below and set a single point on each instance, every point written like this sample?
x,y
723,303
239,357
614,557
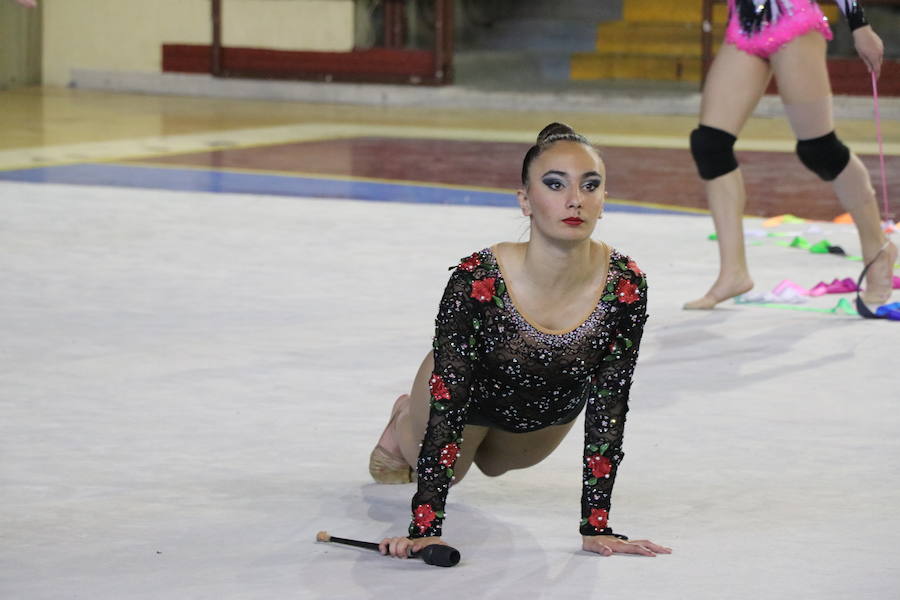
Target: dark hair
x,y
549,135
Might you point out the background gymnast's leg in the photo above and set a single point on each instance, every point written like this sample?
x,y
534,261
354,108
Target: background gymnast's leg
x,y
802,76
734,85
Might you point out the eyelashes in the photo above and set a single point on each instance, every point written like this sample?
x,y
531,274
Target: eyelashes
x,y
555,184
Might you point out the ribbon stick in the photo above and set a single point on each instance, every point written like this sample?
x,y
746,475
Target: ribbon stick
x,y
884,194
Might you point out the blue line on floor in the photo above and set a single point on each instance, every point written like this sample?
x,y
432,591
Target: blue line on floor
x,y
203,180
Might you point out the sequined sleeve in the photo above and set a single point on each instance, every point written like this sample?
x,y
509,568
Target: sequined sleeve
x,y
607,402
853,12
454,352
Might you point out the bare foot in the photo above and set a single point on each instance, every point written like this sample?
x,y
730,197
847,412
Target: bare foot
x,y
719,292
879,278
386,463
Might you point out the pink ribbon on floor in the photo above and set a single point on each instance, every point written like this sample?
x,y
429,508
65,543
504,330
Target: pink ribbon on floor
x,y
838,286
789,289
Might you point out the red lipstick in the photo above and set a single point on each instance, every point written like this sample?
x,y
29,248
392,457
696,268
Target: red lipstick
x,y
573,221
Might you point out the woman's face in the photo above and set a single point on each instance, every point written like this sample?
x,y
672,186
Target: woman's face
x,y
566,191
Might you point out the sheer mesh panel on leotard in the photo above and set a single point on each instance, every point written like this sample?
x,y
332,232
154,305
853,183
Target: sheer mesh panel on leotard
x,y
523,379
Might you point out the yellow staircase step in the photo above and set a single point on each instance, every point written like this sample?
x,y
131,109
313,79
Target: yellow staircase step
x,y
585,66
684,11
681,39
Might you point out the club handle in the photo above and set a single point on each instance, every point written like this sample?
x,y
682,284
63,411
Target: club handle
x,y
357,543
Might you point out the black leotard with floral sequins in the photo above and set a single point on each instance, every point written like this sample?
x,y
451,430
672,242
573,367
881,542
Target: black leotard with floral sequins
x,y
488,357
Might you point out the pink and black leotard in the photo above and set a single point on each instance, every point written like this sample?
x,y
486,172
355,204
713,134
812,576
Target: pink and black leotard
x,y
762,27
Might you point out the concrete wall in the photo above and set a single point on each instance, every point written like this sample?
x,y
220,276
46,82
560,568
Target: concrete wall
x,y
127,35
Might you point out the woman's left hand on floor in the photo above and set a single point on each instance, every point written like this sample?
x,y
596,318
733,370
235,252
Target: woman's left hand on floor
x,y
608,545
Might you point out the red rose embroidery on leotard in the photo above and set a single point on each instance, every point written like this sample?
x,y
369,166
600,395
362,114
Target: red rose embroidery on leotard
x,y
632,266
423,517
598,518
483,289
470,263
449,454
627,291
599,465
438,388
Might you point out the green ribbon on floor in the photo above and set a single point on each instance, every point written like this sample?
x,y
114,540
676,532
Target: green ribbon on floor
x,y
842,307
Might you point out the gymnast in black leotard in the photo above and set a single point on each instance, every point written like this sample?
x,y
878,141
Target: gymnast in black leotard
x,y
527,336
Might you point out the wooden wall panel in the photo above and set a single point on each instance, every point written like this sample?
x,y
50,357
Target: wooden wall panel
x,y
20,45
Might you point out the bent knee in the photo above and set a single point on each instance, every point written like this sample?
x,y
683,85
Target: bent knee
x,y
826,156
713,151
459,473
490,468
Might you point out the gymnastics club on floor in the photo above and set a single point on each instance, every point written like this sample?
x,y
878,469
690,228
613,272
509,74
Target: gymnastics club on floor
x,y
438,555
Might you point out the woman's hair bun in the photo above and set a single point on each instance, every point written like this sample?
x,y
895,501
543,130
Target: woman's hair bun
x,y
552,133
554,130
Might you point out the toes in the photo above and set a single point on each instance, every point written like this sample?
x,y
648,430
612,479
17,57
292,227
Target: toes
x,y
705,303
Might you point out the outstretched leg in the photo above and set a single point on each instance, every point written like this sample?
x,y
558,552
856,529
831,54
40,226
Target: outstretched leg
x,y
802,76
734,85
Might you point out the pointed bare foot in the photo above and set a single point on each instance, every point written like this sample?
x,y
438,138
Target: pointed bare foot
x,y
386,463
879,278
720,292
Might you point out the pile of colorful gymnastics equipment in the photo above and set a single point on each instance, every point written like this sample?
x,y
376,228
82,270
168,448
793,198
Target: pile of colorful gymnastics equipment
x,y
791,295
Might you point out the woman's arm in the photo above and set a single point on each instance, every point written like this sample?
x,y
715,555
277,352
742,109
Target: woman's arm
x,y
853,12
607,404
870,48
454,350
868,45
605,419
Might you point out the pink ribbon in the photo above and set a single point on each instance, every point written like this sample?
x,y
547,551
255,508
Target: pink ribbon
x,y
884,194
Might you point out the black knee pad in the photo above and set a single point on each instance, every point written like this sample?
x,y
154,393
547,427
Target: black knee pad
x,y
713,151
825,156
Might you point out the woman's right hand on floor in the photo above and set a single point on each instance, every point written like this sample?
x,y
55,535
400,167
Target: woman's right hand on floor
x,y
869,47
608,545
402,546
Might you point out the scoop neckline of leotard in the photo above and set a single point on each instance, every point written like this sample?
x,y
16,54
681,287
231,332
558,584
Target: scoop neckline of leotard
x,y
531,323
